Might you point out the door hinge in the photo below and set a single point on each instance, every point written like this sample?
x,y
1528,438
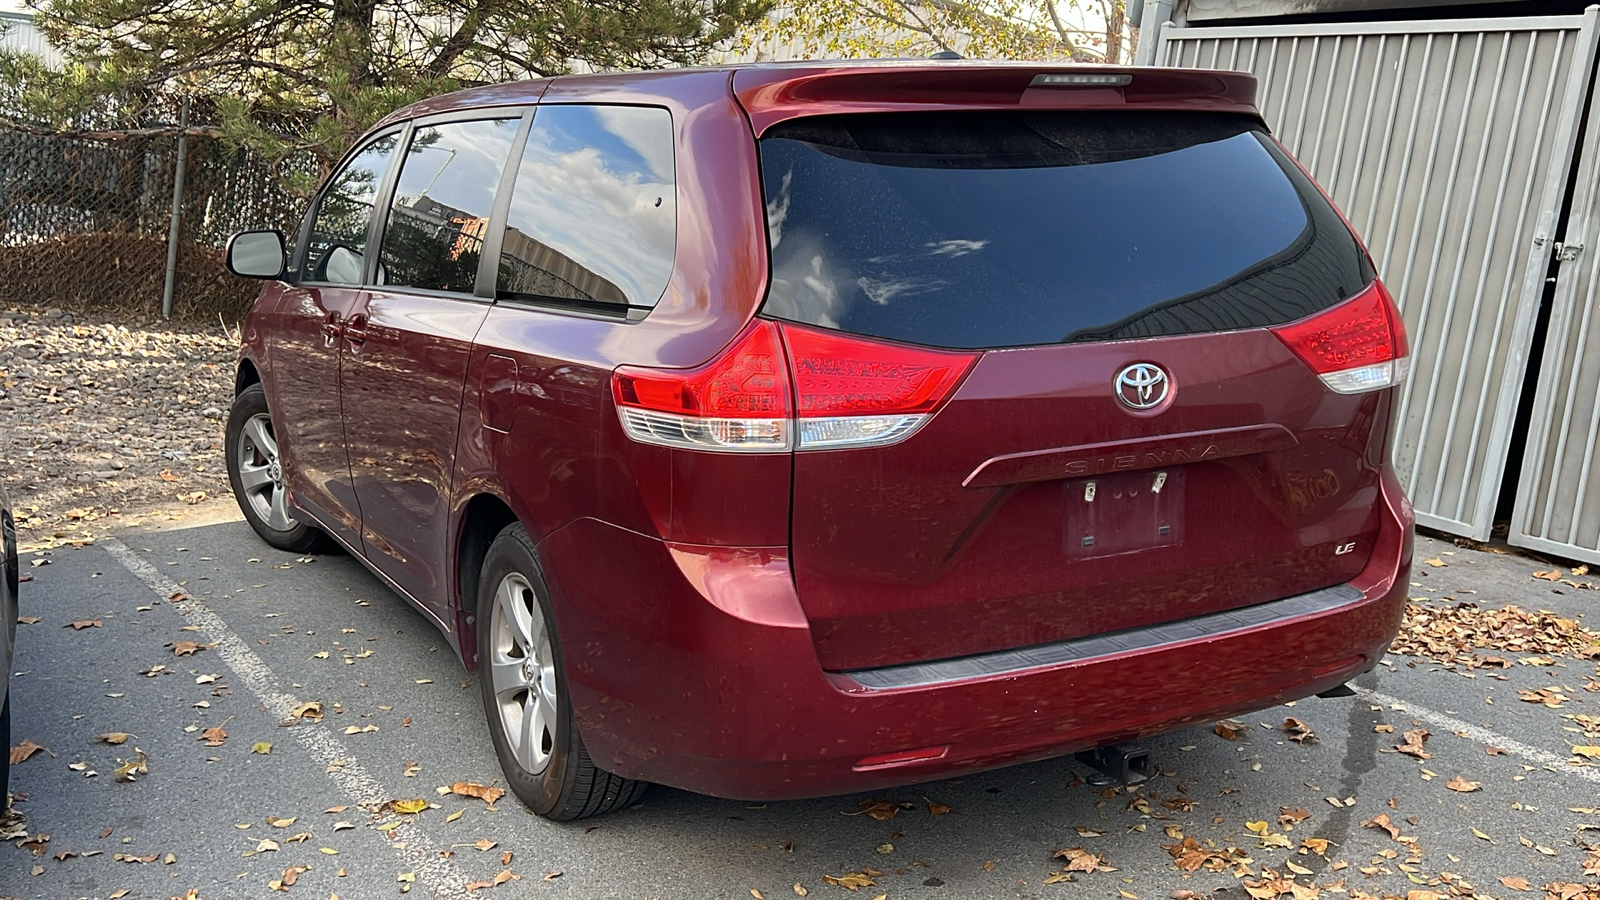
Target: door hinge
x,y
1567,252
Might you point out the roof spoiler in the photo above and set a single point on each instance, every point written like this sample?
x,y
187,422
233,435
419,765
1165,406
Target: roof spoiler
x,y
772,94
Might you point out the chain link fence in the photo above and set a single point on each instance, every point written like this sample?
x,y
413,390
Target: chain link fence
x,y
84,221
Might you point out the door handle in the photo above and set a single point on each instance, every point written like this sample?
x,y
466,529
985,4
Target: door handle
x,y
355,330
332,326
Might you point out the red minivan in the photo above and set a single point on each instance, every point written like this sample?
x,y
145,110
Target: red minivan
x,y
787,430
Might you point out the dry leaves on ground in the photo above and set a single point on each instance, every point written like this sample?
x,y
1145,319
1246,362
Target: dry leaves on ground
x,y
1229,729
1081,860
24,750
853,881
131,769
1191,856
487,793
1298,731
1450,634
1412,745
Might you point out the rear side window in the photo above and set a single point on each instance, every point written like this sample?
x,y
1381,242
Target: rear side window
x,y
442,201
1006,229
338,243
593,216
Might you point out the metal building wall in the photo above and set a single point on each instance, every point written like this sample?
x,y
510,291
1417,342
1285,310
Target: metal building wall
x,y
1558,496
1448,144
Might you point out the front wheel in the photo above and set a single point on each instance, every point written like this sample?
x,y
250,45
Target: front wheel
x,y
5,753
525,693
255,471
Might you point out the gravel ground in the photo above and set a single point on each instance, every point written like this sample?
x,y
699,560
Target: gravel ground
x,y
105,425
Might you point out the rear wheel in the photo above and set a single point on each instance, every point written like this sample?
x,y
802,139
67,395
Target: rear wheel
x,y
5,754
255,471
525,693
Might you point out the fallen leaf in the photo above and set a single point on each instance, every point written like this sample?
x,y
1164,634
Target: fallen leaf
x,y
1588,752
800,889
1412,745
1462,785
130,769
187,648
24,750
487,793
936,809
262,747
27,620
1298,731
853,881
882,810
1081,860
409,807
1516,884
81,624
1229,729
1381,821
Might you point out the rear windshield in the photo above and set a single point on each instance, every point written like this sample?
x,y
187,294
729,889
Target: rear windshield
x,y
1007,229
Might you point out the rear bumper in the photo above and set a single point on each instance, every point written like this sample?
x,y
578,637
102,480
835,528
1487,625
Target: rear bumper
x,y
694,667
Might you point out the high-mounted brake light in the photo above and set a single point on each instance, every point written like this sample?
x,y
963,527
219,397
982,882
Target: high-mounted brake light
x,y
737,402
1080,79
1359,345
846,392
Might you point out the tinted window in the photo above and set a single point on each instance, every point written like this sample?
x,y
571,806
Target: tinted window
x,y
442,201
339,232
593,217
998,229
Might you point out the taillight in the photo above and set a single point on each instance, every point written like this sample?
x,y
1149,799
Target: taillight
x,y
738,402
853,392
1358,345
846,392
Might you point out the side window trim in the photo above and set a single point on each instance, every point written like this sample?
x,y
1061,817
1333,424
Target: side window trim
x,y
502,200
391,172
380,205
489,257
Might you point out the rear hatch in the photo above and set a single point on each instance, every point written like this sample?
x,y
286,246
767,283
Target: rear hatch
x,y
1064,373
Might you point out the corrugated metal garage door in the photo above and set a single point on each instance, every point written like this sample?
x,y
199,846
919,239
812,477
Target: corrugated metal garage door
x,y
1449,145
1558,496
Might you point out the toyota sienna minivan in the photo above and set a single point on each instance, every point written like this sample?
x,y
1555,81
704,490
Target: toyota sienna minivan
x,y
778,431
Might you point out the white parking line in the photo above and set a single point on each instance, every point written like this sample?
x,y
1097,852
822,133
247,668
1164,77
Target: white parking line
x,y
1545,758
438,874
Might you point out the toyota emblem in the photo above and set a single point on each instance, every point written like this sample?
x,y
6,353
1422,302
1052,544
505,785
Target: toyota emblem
x,y
1142,386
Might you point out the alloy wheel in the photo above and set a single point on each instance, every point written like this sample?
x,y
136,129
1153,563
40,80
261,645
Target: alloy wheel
x,y
261,474
522,673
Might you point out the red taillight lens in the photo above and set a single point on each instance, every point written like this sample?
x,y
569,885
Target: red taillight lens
x,y
738,401
848,392
840,375
1358,345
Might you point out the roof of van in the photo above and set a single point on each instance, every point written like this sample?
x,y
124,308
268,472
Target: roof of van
x,y
773,91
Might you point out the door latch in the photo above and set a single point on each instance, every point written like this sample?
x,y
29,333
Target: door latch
x,y
1567,252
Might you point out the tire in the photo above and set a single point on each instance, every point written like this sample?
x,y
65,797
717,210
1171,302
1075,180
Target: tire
x,y
255,472
525,695
5,753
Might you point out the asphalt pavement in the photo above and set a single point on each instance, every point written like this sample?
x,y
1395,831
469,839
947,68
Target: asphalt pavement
x,y
196,627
